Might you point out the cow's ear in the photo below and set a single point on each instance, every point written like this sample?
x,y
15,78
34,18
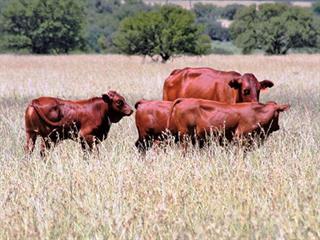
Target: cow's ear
x,y
266,84
235,83
108,97
283,107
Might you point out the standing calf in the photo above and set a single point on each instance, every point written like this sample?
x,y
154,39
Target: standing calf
x,y
89,120
198,117
151,122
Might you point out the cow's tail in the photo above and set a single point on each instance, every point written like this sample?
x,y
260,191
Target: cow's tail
x,y
170,122
136,105
43,117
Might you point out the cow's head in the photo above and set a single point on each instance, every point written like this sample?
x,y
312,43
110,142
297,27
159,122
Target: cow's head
x,y
249,87
273,118
118,107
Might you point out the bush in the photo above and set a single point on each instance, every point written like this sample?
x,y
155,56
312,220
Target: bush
x,y
230,11
167,31
316,7
274,28
217,32
104,17
206,13
43,26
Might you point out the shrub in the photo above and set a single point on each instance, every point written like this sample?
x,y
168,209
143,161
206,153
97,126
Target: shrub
x,y
274,28
166,31
43,26
230,11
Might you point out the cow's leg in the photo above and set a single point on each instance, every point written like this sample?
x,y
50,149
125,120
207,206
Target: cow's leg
x,y
142,146
87,143
87,140
31,138
44,147
183,139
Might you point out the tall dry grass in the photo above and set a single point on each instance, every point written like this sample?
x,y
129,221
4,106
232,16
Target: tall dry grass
x,y
215,193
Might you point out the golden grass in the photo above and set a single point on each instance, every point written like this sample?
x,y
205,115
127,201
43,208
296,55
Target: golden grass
x,y
272,193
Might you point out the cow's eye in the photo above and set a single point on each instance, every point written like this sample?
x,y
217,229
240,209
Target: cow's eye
x,y
246,92
120,103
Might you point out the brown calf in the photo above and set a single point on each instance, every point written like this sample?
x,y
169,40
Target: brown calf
x,y
197,117
151,122
55,119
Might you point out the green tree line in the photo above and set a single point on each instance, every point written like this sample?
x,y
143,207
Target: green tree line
x,y
133,27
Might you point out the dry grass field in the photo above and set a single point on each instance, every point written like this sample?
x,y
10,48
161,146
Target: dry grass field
x,y
215,193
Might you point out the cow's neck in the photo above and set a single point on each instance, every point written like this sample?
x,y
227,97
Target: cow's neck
x,y
114,116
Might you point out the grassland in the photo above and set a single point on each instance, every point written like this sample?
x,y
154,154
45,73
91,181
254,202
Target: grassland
x,y
272,193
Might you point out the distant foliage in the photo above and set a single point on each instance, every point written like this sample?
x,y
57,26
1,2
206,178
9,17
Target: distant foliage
x,y
3,4
167,31
100,26
206,12
208,15
274,28
229,11
316,7
43,26
104,17
216,31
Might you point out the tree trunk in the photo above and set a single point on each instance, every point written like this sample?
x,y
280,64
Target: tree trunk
x,y
165,57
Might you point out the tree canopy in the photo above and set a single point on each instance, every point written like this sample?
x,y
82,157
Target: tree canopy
x,y
116,26
274,28
43,26
166,31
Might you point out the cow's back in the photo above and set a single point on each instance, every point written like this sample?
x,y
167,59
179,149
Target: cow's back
x,y
204,83
152,116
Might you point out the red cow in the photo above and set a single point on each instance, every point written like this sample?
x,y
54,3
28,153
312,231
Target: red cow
x,y
211,84
151,122
55,119
198,117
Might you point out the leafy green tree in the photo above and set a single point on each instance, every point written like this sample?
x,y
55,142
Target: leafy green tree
x,y
243,29
207,14
316,7
216,31
166,31
104,17
43,26
274,28
229,11
3,4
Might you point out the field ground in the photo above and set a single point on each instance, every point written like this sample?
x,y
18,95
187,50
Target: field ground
x,y
222,3
215,193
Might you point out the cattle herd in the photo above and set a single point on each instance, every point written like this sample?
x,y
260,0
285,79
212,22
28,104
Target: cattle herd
x,y
197,102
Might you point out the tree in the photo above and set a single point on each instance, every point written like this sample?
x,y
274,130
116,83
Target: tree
x,y
43,26
3,4
206,13
243,30
274,28
316,7
229,11
104,17
216,31
166,31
